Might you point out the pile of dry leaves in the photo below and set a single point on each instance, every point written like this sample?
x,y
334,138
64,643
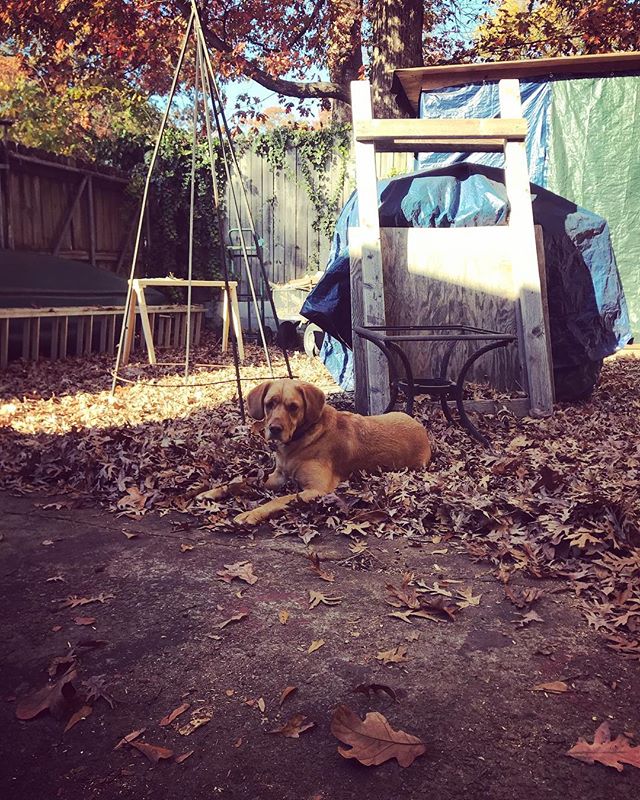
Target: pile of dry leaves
x,y
556,498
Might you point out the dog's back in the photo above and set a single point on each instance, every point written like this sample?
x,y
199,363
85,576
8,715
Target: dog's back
x,y
388,441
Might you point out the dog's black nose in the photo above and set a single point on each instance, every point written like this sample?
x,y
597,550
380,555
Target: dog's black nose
x,y
275,430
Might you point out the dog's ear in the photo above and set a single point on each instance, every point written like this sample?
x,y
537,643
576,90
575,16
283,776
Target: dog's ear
x,y
255,399
313,402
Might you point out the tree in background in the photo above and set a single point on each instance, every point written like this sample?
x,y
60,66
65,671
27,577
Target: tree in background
x,y
515,29
288,46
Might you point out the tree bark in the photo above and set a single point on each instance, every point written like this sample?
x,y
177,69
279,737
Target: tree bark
x,y
396,31
344,51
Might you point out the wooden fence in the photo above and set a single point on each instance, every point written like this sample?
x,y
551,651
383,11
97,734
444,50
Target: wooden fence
x,y
75,210
64,207
284,214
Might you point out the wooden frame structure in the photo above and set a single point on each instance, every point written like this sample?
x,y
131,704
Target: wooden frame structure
x,y
499,260
230,302
166,322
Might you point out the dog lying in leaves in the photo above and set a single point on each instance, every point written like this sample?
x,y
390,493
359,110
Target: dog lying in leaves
x,y
319,447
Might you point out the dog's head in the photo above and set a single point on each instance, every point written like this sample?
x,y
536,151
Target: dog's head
x,y
286,406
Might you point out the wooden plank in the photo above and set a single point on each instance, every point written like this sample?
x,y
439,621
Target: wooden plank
x,y
372,311
111,334
386,130
526,275
4,343
55,338
91,222
79,311
63,341
448,276
138,288
471,145
542,269
64,227
412,81
235,318
181,282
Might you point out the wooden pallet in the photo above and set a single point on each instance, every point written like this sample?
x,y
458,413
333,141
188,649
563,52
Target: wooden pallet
x,y
167,326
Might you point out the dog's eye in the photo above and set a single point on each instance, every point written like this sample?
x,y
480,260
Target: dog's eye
x,y
293,408
268,404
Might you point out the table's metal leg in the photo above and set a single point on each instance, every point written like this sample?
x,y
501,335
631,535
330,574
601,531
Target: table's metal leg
x,y
408,374
444,368
464,418
393,372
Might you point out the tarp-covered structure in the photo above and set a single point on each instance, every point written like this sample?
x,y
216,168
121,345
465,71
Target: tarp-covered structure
x,y
583,145
587,309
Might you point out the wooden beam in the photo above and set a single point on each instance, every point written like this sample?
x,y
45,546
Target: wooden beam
x,y
4,343
441,146
526,276
412,81
92,224
379,131
371,369
55,250
67,167
79,311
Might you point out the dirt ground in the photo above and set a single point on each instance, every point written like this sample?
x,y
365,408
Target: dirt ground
x,y
466,688
110,568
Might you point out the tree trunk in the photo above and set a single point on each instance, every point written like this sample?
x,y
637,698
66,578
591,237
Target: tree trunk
x,y
396,28
344,51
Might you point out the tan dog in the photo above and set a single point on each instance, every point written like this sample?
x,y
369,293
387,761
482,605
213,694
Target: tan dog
x,y
319,447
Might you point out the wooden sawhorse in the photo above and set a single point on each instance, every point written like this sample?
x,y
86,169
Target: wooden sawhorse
x,y
140,284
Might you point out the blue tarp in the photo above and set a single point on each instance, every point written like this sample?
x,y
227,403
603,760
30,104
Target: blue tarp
x,y
587,308
481,100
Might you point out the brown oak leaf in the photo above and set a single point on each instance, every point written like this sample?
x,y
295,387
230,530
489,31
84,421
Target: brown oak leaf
x,y
153,752
323,574
372,740
53,697
243,570
175,713
395,655
294,726
610,752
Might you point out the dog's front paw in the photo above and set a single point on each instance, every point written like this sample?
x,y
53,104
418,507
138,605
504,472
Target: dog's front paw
x,y
248,518
219,493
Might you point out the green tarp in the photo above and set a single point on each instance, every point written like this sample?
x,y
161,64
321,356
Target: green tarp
x,y
593,146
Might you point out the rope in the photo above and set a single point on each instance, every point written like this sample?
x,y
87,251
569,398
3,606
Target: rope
x,y
125,320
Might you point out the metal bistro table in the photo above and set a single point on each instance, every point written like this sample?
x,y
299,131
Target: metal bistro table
x,y
388,339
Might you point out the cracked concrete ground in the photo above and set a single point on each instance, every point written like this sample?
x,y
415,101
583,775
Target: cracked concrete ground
x,y
466,688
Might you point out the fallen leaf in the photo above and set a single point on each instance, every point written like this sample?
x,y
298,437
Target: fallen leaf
x,y
233,618
73,601
315,645
396,655
84,620
185,548
198,719
47,542
373,740
53,697
612,753
283,616
287,692
372,688
56,628
554,687
529,617
184,756
465,598
129,738
134,499
153,752
323,574
82,713
243,570
175,713
522,596
294,726
315,598
55,579
130,535
261,704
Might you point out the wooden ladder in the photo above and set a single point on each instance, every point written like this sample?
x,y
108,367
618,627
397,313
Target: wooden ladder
x,y
506,134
